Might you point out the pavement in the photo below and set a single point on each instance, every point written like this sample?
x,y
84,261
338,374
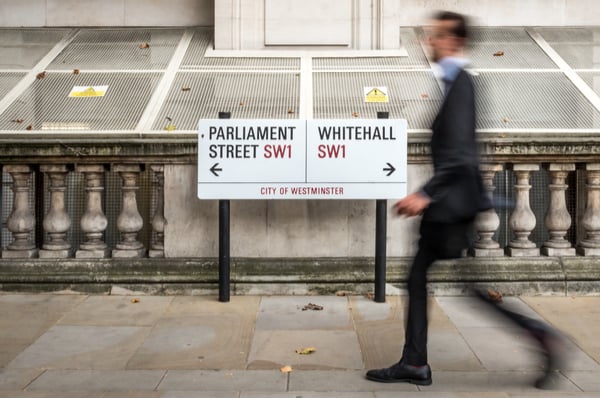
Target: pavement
x,y
59,345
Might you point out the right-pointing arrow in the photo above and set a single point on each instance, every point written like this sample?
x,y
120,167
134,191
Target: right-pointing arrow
x,y
214,169
391,169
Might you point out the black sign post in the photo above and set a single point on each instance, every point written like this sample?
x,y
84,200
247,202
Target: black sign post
x,y
224,242
380,239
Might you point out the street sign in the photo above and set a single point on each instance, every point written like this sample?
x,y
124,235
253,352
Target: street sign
x,y
302,159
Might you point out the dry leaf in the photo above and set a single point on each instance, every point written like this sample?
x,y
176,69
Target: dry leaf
x,y
424,95
41,75
370,295
185,89
242,104
170,127
135,300
290,111
306,351
144,45
30,127
17,120
506,120
355,114
312,306
498,53
75,71
286,369
341,293
495,296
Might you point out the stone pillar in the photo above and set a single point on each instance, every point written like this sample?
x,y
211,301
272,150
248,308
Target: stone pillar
x,y
486,223
590,245
93,222
158,221
522,219
558,219
21,221
129,222
57,221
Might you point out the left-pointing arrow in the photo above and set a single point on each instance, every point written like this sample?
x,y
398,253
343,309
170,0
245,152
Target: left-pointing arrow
x,y
214,169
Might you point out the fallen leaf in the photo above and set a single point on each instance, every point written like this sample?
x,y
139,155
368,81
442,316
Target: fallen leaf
x,y
306,351
498,53
495,296
312,306
290,111
75,71
506,120
30,127
286,369
355,114
144,45
135,300
185,89
41,75
424,95
370,295
170,127
17,120
341,293
242,104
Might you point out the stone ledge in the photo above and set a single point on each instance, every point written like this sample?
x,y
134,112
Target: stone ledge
x,y
289,276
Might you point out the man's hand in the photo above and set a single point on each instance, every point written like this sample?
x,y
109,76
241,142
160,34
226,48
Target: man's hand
x,y
412,205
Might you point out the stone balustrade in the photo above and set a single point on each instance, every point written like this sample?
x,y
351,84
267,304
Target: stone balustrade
x,y
93,222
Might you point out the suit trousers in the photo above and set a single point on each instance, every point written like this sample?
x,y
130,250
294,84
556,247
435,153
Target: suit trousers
x,y
438,241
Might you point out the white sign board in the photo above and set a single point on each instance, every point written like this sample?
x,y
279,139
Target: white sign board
x,y
302,159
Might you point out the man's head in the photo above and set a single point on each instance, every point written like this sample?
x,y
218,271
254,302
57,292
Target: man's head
x,y
447,34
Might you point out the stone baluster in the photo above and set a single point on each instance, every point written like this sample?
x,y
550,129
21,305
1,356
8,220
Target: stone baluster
x,y
487,222
558,219
21,221
57,221
158,221
129,222
590,245
93,222
522,219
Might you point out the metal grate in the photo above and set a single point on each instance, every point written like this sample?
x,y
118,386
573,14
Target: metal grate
x,y
579,47
8,80
413,95
506,48
46,104
532,100
119,49
24,48
197,95
195,57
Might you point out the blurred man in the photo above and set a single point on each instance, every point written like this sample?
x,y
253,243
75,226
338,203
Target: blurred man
x,y
449,202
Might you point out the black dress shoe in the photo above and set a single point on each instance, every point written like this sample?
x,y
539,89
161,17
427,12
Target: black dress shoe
x,y
400,372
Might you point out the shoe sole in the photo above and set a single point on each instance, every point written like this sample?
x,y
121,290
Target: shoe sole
x,y
408,380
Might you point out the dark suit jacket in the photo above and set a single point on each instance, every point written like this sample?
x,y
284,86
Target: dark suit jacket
x,y
456,188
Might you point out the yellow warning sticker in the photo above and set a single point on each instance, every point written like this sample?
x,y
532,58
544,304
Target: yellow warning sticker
x,y
88,91
376,94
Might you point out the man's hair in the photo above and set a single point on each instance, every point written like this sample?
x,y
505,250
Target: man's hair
x,y
461,22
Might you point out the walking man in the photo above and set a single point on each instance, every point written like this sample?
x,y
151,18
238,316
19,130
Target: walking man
x,y
449,201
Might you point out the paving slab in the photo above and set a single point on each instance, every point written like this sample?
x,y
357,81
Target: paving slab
x,y
381,342
198,394
130,394
49,394
430,394
82,347
196,341
367,310
15,379
285,313
468,311
578,317
585,380
496,381
340,381
118,311
334,349
26,317
224,380
307,394
97,380
245,305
